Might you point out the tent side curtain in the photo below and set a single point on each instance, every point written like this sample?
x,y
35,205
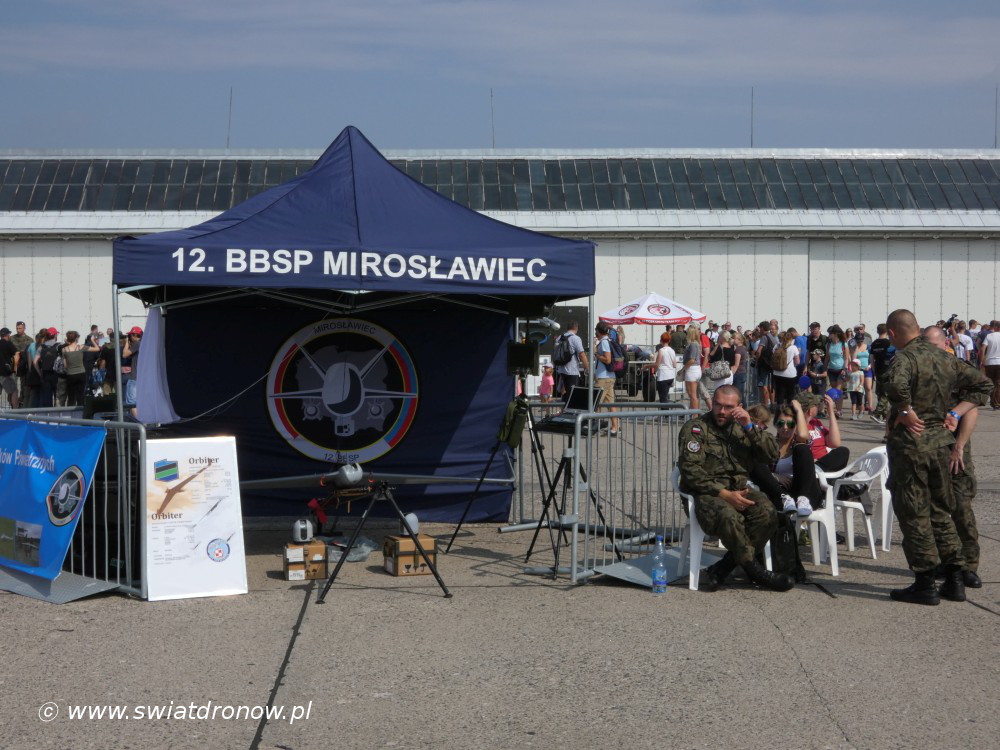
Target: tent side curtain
x,y
355,222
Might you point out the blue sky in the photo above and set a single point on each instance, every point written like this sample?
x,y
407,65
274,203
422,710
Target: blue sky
x,y
416,74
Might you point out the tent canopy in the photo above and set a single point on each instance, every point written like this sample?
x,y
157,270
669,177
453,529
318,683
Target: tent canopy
x,y
355,222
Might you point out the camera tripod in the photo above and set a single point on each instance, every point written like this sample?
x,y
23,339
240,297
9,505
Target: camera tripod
x,y
381,491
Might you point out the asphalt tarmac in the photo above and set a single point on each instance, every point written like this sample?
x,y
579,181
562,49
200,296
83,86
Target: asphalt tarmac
x,y
514,660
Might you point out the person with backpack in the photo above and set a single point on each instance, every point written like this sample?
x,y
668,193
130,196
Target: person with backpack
x,y
45,363
22,341
569,359
605,373
767,343
784,369
8,353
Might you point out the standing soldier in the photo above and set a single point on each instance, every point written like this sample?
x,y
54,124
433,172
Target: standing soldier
x,y
922,384
963,477
716,452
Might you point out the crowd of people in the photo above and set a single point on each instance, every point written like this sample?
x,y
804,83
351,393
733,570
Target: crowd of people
x,y
846,362
45,370
924,384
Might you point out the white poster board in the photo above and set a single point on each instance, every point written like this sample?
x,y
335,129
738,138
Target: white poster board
x,y
194,519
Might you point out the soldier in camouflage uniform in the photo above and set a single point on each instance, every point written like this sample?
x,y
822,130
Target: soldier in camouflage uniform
x,y
922,384
715,455
963,477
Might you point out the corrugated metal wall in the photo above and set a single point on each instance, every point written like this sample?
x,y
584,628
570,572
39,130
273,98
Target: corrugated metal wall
x,y
800,280
61,283
67,283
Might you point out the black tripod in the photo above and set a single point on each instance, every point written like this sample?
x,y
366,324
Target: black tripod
x,y
511,429
381,491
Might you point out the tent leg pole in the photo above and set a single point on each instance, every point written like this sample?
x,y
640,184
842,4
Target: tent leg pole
x,y
119,396
592,358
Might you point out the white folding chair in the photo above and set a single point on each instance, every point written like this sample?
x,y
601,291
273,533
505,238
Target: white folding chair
x,y
693,538
865,471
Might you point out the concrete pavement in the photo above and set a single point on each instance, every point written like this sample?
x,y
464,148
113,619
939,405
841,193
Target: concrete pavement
x,y
515,660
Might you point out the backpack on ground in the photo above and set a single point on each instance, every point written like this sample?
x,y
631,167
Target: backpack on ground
x,y
785,550
562,352
779,358
47,358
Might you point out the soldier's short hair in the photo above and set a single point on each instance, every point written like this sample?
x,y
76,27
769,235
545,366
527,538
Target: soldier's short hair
x,y
902,320
728,389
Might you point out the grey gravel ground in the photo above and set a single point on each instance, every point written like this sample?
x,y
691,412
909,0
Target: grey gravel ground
x,y
514,660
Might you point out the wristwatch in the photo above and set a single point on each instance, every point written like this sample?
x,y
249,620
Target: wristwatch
x,y
904,412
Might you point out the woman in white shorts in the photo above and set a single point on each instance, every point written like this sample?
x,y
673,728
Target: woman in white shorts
x,y
692,365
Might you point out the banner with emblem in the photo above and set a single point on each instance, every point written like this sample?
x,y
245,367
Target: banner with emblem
x,y
45,474
194,521
416,389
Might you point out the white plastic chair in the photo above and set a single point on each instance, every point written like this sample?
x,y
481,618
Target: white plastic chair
x,y
866,471
886,501
822,524
693,538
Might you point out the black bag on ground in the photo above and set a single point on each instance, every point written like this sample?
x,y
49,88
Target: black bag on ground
x,y
785,550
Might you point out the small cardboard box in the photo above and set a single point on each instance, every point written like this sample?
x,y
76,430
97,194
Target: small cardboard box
x,y
403,559
305,562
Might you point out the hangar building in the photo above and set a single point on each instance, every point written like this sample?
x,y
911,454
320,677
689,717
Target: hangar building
x,y
830,235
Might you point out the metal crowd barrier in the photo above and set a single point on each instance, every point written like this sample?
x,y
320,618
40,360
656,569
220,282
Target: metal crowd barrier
x,y
628,476
109,540
621,490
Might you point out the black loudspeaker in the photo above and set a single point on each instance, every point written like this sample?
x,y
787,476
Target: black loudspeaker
x,y
528,307
522,357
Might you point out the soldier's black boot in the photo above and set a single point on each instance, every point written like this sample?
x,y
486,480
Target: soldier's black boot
x,y
715,575
953,588
766,578
972,579
922,591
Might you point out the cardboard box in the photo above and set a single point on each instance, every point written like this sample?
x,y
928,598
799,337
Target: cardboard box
x,y
403,559
305,562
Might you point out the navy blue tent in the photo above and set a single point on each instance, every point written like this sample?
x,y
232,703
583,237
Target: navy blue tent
x,y
355,222
351,314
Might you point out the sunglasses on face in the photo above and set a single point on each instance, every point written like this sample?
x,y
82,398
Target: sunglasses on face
x,y
783,423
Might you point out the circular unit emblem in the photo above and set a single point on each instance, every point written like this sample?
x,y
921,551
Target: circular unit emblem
x,y
628,309
66,496
659,310
342,390
218,550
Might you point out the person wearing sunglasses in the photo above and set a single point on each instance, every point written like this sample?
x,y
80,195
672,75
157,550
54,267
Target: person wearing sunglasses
x,y
804,443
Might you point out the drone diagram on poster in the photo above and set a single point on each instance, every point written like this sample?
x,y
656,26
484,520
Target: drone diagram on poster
x,y
342,390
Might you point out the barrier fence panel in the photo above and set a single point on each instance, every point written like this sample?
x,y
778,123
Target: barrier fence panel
x,y
621,491
108,543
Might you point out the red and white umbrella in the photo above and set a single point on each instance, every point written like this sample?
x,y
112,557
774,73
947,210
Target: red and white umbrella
x,y
653,310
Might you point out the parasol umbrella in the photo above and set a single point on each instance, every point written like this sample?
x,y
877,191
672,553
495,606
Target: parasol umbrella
x,y
652,309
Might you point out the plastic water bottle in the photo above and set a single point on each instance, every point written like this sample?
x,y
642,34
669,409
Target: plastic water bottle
x,y
659,571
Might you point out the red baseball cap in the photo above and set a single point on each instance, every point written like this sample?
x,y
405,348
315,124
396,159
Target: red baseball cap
x,y
53,332
136,330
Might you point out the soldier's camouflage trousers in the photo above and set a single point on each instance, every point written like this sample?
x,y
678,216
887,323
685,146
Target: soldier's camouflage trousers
x,y
963,487
744,534
923,502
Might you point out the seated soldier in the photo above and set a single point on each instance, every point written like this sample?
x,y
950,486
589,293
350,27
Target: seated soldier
x,y
716,453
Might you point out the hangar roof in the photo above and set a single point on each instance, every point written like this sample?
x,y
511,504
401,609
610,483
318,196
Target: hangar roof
x,y
554,190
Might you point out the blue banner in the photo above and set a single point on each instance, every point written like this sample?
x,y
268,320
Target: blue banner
x,y
45,475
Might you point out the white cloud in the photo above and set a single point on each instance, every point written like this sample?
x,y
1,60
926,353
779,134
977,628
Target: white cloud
x,y
587,42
